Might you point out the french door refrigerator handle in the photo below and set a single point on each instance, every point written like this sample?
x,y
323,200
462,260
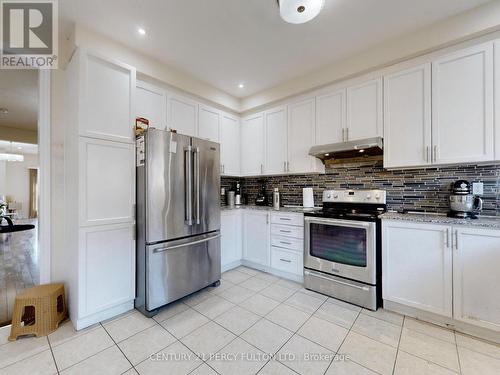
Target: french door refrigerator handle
x,y
196,153
188,180
166,248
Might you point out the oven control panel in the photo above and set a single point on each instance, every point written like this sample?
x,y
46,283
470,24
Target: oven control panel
x,y
355,196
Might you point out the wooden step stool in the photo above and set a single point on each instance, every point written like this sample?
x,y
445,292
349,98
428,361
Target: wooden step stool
x,y
38,311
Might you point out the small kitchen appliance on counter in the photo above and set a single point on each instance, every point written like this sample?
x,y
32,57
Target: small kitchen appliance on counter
x,y
262,199
463,204
342,247
238,197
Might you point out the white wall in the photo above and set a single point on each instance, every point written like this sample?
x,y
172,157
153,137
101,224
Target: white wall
x,y
17,182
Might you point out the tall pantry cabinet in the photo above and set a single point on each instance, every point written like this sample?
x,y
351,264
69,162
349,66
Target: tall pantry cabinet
x,y
99,153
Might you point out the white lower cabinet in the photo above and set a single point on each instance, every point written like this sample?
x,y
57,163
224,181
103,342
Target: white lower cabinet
x,y
447,270
256,237
417,266
231,242
107,267
476,277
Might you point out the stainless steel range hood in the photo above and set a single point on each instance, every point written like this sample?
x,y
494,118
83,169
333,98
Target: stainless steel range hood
x,y
351,149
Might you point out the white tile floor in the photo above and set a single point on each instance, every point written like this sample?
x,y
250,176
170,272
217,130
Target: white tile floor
x,y
237,327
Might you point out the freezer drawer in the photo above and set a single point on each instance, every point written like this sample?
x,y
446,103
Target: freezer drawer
x,y
178,268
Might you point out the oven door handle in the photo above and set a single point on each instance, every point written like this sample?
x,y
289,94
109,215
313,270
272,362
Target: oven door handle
x,y
315,274
339,222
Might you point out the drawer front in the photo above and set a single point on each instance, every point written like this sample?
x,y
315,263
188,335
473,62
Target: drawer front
x,y
287,231
289,243
287,218
287,261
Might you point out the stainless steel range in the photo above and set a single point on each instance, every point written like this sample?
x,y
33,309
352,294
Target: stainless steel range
x,y
342,250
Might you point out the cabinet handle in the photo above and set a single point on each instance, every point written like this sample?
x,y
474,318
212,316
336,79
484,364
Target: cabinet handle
x,y
285,218
288,166
456,239
448,237
343,134
427,153
261,169
285,243
285,231
267,219
286,260
435,153
284,166
346,134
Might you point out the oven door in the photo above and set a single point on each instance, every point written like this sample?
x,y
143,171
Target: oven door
x,y
345,248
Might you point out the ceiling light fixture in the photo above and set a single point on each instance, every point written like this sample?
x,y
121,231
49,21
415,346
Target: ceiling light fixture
x,y
141,31
300,11
241,86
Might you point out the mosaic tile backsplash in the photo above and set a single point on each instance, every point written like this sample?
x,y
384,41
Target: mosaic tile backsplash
x,y
424,190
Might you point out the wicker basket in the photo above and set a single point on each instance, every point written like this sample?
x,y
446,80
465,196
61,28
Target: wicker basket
x,y
38,311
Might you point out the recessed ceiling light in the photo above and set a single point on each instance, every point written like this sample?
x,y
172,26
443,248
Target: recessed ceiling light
x,y
141,31
327,154
241,86
361,150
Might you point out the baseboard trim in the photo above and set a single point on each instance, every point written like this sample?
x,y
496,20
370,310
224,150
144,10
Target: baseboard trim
x,y
468,329
103,315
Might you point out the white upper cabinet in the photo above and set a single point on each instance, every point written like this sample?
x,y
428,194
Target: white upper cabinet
x,y
301,129
230,145
276,141
182,115
252,145
209,123
417,263
497,99
462,106
476,277
331,117
151,104
364,110
407,117
101,79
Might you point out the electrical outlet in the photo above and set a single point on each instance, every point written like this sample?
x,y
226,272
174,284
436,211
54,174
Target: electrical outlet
x,y
477,188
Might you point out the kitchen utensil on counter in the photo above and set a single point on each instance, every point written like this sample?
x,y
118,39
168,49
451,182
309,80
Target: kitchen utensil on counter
x,y
276,198
261,199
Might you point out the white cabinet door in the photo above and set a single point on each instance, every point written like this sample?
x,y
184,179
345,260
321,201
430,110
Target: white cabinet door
x,y
106,99
230,145
417,266
476,277
330,117
151,103
231,242
364,110
256,235
209,123
462,106
106,262
183,115
107,182
301,129
252,145
407,118
497,99
276,141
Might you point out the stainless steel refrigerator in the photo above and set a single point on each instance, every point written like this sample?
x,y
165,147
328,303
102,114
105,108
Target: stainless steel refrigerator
x,y
178,217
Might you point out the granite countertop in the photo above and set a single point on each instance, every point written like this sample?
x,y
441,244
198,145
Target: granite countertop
x,y
490,222
295,209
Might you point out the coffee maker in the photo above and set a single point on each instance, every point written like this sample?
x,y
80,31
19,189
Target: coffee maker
x,y
262,199
463,204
